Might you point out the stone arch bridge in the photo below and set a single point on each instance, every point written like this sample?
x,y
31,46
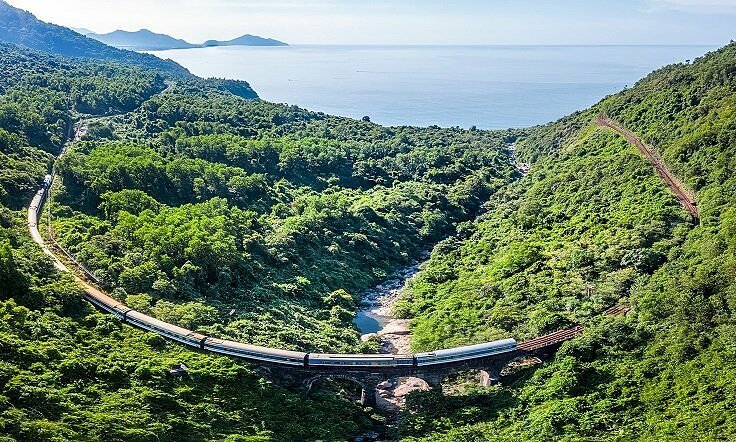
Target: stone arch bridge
x,y
368,378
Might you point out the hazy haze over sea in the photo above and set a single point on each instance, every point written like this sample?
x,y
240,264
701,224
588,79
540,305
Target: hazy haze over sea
x,y
490,87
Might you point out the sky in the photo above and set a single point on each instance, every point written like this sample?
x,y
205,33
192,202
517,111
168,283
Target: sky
x,y
709,22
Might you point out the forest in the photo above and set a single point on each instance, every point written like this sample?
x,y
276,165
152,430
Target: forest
x,y
196,205
589,227
199,204
68,372
237,217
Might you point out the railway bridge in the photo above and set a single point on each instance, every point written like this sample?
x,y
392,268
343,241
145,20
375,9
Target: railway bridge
x,y
489,368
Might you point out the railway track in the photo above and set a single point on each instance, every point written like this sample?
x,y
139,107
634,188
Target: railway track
x,y
551,339
561,336
618,310
684,197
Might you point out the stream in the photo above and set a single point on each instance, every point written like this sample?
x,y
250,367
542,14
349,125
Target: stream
x,y
374,316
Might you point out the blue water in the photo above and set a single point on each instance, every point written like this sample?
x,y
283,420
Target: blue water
x,y
487,86
368,321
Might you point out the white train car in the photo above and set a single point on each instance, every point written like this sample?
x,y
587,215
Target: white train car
x,y
464,353
165,329
254,352
345,360
105,302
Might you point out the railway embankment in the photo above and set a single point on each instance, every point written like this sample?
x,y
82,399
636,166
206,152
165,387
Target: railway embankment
x,y
683,195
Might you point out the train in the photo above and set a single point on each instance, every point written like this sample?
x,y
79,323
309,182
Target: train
x,y
257,353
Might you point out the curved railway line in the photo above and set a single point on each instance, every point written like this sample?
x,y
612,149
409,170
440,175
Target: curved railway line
x,y
288,358
248,352
684,197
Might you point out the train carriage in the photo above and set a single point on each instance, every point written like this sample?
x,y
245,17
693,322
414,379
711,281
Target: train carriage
x,y
165,329
464,353
254,352
346,360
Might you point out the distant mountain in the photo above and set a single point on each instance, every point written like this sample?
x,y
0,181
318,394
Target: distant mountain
x,y
83,31
143,40
246,40
23,28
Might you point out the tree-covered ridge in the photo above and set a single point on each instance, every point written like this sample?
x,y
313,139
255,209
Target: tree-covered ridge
x,y
590,226
597,216
238,210
42,95
24,29
70,373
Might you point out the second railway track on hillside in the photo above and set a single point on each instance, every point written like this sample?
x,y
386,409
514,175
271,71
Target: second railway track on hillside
x,y
684,196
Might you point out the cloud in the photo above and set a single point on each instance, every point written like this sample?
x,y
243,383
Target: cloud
x,y
696,6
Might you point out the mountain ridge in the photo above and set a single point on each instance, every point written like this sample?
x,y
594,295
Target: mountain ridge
x,y
22,28
142,39
147,40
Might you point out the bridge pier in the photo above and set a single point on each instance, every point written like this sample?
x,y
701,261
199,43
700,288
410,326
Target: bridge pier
x,y
433,379
489,376
369,385
368,397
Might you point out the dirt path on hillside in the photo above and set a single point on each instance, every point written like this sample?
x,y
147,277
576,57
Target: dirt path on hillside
x,y
684,196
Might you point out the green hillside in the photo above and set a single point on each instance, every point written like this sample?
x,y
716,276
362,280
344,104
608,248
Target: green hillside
x,y
264,223
68,372
590,226
218,203
191,201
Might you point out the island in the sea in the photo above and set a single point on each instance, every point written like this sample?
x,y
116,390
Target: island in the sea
x,y
145,40
246,40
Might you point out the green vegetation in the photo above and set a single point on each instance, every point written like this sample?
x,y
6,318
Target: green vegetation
x,y
589,226
218,203
265,222
191,201
68,372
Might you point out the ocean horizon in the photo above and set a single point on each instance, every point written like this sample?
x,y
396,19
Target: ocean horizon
x,y
486,86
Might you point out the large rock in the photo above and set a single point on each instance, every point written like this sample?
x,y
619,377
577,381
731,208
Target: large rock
x,y
396,327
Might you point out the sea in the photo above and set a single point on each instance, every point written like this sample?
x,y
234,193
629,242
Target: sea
x,y
490,87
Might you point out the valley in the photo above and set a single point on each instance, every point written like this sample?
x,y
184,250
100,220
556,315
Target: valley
x,y
604,243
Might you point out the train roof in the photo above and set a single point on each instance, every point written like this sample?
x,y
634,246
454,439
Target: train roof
x,y
255,348
470,348
163,325
100,296
357,356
